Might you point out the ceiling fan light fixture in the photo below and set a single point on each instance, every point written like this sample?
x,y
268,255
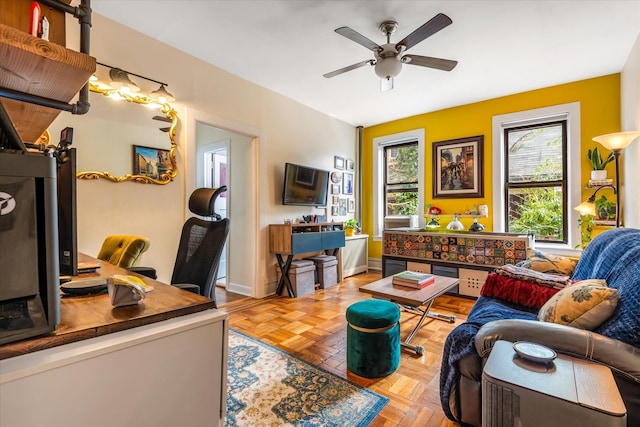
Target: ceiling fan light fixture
x,y
387,68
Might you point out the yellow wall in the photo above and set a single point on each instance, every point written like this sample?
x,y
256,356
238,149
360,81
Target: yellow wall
x,y
599,111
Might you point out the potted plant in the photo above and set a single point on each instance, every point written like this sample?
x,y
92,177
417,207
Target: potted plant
x,y
349,225
605,209
597,164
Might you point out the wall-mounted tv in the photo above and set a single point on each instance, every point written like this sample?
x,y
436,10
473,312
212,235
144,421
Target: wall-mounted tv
x,y
305,186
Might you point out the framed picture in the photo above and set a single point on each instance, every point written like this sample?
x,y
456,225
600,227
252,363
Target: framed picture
x,y
350,165
352,206
457,168
338,162
335,188
149,161
343,206
334,200
334,210
347,183
336,177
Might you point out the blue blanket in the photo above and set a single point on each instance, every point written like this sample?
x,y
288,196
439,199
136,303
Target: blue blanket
x,y
459,343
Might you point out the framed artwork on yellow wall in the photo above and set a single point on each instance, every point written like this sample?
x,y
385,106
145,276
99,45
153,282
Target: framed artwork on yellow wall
x,y
457,168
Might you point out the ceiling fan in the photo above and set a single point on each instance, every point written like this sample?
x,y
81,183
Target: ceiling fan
x,y
390,57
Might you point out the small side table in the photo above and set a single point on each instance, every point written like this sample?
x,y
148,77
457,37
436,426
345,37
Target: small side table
x,y
568,392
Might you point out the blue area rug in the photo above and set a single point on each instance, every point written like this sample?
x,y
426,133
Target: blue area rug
x,y
269,387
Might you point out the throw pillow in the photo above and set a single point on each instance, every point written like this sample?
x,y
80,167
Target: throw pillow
x,y
585,305
548,263
516,291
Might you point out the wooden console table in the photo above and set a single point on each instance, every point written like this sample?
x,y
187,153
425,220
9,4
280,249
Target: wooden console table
x,y
294,239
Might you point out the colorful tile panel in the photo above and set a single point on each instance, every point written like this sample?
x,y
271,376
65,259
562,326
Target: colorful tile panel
x,y
486,250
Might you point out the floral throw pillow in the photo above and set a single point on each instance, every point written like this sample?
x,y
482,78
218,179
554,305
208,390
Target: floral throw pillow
x,y
548,263
585,305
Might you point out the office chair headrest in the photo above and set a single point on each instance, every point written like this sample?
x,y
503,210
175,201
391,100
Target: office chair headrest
x,y
202,201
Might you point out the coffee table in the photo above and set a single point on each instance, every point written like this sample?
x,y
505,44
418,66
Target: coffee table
x,y
417,301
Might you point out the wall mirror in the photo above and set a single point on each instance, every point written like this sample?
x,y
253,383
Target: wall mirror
x,y
148,162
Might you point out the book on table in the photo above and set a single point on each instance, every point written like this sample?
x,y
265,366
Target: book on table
x,y
413,279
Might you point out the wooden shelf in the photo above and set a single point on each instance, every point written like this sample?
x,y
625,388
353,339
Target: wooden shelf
x,y
39,67
459,215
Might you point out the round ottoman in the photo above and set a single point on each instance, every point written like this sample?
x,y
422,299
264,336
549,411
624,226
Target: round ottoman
x,y
373,338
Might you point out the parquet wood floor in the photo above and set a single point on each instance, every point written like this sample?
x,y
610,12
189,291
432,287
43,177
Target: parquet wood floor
x,y
313,328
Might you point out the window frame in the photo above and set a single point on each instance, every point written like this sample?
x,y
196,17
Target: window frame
x,y
569,112
414,184
562,183
379,144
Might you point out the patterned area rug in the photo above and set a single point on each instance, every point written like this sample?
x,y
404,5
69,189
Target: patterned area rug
x,y
269,387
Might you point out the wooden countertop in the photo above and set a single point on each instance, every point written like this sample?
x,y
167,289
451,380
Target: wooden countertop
x,y
84,317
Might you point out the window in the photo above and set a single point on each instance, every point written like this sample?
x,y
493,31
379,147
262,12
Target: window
x,y
536,183
398,177
401,179
535,189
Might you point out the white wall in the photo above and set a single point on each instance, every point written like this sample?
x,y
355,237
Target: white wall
x,y
630,98
289,132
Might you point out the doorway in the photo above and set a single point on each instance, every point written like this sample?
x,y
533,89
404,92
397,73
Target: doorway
x,y
215,159
234,147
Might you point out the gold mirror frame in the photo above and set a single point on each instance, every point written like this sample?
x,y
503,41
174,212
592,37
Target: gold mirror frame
x,y
165,177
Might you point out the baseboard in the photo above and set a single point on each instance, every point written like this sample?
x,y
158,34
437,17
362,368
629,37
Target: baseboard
x,y
237,288
375,263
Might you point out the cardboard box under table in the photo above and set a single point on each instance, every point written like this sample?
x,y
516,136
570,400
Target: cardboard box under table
x,y
326,270
301,276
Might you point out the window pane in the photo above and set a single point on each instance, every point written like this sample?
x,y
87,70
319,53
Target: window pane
x,y
537,211
402,203
402,164
535,153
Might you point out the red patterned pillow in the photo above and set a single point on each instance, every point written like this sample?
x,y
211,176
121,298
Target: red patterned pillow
x,y
522,292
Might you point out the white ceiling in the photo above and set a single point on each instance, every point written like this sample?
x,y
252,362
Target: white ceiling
x,y
503,47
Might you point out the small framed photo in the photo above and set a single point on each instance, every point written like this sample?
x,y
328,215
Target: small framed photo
x,y
352,206
338,162
335,188
336,177
150,162
343,206
334,200
334,210
347,183
350,165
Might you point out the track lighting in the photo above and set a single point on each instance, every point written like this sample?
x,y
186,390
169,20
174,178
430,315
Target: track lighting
x,y
121,86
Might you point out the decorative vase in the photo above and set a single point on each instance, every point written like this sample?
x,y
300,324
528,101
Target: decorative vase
x,y
598,175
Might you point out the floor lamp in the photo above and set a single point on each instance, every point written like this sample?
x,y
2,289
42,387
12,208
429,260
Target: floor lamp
x,y
616,142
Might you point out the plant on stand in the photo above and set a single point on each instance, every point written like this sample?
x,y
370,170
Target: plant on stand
x,y
349,226
597,164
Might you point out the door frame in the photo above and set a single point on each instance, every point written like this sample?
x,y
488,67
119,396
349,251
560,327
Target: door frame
x,y
255,259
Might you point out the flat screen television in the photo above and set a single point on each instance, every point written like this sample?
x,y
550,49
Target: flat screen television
x,y
305,186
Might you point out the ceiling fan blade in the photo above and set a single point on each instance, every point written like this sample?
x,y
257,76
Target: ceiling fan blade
x,y
386,84
358,38
165,129
428,61
349,68
427,29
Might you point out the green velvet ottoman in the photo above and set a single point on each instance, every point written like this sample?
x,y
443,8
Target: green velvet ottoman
x,y
373,338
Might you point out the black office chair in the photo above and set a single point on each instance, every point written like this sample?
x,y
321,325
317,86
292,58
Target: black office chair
x,y
201,244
